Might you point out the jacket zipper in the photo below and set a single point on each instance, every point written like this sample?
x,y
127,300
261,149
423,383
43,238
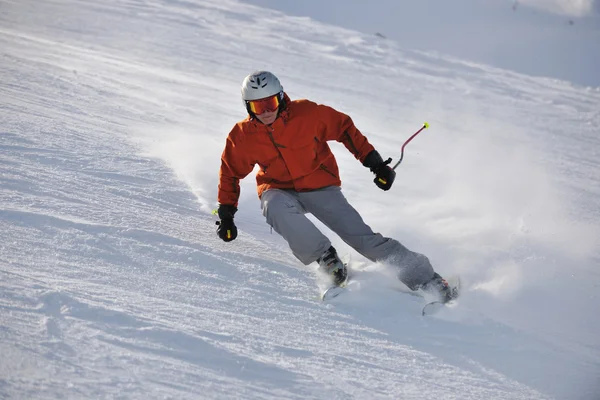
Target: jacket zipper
x,y
235,185
351,143
270,133
324,168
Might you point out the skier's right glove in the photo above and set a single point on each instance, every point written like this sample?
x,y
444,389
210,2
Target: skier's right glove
x,y
226,230
384,174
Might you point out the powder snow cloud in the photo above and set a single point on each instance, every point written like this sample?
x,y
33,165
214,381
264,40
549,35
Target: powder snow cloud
x,y
575,8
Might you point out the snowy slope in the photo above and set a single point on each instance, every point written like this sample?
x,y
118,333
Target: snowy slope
x,y
551,38
114,285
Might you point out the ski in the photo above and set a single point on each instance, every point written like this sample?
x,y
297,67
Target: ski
x,y
334,291
430,308
434,306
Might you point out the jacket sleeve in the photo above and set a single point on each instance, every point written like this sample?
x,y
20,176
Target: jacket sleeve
x,y
339,126
235,165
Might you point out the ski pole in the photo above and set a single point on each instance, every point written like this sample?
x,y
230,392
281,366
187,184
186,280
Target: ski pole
x,y
425,126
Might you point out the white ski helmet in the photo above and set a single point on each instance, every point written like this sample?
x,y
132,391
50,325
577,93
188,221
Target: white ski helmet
x,y
259,85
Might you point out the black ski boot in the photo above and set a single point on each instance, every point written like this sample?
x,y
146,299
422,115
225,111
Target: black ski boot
x,y
438,287
331,266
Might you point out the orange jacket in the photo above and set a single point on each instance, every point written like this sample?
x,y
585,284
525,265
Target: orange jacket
x,y
292,153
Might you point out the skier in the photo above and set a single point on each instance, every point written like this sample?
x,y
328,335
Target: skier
x,y
298,174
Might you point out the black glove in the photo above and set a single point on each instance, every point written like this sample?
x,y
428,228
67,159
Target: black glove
x,y
384,174
226,227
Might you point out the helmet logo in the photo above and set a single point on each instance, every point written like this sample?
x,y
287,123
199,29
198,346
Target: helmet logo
x,y
264,79
257,82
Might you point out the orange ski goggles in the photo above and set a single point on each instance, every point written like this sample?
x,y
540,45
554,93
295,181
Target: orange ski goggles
x,y
261,106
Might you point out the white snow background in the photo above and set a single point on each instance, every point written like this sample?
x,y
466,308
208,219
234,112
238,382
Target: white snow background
x,y
552,38
113,283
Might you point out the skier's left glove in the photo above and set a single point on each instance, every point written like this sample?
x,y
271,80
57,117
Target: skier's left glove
x,y
226,230
384,174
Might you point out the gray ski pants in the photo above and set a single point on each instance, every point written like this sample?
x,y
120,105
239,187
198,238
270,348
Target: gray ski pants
x,y
285,211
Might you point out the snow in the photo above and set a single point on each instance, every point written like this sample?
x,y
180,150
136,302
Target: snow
x,y
552,38
113,283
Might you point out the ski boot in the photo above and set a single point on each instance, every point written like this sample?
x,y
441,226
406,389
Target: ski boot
x,y
331,266
439,287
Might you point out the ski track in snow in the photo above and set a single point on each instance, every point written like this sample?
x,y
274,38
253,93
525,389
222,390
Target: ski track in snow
x,y
114,285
